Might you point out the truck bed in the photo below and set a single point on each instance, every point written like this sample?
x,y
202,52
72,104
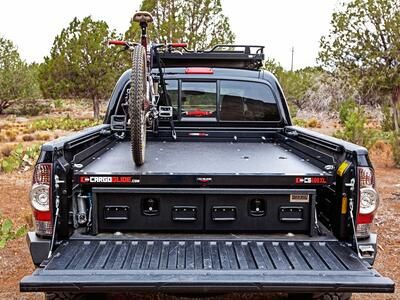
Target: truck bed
x,y
219,159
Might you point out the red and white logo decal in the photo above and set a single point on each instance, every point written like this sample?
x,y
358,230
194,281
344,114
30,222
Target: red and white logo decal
x,y
311,180
204,179
85,179
108,179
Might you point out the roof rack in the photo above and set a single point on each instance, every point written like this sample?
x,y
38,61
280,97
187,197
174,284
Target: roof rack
x,y
226,56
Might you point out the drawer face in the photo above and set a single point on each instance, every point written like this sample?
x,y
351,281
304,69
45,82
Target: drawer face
x,y
184,213
291,214
223,213
162,212
116,213
256,213
202,213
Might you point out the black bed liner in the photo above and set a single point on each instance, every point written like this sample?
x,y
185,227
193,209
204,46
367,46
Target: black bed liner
x,y
228,163
202,265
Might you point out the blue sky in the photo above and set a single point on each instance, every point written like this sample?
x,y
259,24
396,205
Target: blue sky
x,y
279,25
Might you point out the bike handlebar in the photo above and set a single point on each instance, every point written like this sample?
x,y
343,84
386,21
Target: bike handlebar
x,y
154,46
170,45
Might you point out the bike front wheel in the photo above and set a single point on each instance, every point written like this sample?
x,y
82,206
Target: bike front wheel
x,y
137,98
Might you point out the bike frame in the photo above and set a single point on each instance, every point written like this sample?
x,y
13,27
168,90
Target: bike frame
x,y
152,107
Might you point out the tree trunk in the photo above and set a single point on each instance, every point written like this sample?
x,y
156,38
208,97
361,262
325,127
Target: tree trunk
x,y
96,107
395,102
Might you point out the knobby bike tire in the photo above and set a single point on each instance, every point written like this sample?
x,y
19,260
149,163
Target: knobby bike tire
x,y
137,97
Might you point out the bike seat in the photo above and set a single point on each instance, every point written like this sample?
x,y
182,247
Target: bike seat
x,y
143,17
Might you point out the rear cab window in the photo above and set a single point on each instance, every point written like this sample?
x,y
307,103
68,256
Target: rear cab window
x,y
247,101
199,101
218,101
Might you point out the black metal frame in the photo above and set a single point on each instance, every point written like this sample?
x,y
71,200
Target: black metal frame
x,y
215,57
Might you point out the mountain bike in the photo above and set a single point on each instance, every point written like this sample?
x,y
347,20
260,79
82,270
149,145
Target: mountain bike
x,y
143,102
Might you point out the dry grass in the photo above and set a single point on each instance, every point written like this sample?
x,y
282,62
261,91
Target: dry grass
x,y
28,130
313,123
42,136
3,138
6,150
28,138
11,135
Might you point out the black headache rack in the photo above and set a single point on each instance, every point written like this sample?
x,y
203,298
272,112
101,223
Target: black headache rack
x,y
223,56
199,265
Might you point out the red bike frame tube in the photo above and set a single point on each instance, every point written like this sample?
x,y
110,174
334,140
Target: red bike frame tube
x,y
116,42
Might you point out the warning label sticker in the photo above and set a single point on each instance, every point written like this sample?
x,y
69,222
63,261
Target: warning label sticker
x,y
343,168
302,198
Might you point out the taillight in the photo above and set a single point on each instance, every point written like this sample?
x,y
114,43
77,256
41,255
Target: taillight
x,y
368,201
199,70
40,197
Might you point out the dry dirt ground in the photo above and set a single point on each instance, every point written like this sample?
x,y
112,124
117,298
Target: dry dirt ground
x,y
15,260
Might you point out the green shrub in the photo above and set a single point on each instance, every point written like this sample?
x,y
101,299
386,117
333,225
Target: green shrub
x,y
31,108
353,119
387,122
18,80
346,109
63,123
293,109
19,157
299,122
395,143
8,232
58,103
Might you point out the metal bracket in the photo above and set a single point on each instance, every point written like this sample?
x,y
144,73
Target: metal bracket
x,y
118,123
292,133
351,184
165,112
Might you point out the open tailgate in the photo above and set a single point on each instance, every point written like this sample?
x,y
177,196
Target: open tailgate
x,y
205,266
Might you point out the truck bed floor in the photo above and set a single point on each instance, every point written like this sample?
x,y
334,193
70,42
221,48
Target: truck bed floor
x,y
219,158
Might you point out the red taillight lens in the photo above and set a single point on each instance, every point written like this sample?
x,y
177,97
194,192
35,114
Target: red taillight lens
x,y
366,177
42,174
40,197
368,201
42,215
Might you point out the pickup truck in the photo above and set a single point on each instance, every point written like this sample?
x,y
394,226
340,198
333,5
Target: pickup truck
x,y
240,201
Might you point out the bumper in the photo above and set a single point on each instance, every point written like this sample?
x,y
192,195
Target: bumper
x,y
368,248
38,247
